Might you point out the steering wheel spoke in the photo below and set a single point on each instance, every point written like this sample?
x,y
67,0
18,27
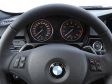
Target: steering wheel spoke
x,y
98,67
19,65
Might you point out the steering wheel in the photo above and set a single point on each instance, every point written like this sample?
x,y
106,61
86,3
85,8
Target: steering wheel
x,y
55,63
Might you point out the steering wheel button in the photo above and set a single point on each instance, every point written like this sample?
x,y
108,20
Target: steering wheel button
x,y
92,61
16,63
23,59
99,68
21,64
93,68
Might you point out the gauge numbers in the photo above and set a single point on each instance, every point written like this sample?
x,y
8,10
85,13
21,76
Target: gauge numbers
x,y
41,30
71,30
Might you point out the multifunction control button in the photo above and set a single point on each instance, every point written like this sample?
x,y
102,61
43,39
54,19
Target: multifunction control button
x,y
19,62
95,65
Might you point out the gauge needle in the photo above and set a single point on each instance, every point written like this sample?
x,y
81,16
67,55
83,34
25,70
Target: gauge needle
x,y
68,32
69,36
38,36
39,32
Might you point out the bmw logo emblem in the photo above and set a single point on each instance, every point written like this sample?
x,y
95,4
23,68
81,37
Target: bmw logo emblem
x,y
57,70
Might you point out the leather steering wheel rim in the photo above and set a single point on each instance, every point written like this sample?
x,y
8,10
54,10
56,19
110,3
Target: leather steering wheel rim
x,y
50,10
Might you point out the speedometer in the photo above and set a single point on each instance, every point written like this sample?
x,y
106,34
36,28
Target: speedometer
x,y
71,30
41,30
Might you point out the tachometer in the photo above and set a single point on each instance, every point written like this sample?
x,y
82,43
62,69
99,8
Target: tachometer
x,y
71,30
41,30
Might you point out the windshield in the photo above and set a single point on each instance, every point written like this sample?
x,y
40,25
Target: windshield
x,y
25,5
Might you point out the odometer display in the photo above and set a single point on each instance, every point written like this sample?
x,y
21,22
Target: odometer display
x,y
41,30
71,30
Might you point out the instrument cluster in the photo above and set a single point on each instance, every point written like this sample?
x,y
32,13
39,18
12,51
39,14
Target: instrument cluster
x,y
67,30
